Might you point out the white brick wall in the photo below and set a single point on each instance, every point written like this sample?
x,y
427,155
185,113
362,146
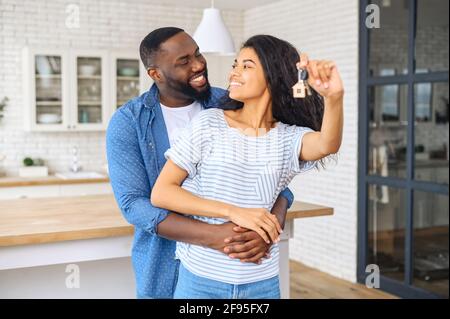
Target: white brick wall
x,y
112,24
324,29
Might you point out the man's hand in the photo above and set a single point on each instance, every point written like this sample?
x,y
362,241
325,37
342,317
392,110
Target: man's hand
x,y
238,243
248,246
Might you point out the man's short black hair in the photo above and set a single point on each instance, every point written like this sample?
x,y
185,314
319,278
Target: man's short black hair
x,y
150,45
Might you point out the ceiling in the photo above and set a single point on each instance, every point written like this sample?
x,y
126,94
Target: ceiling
x,y
220,4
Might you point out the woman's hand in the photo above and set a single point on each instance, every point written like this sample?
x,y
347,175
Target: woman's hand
x,y
323,77
259,220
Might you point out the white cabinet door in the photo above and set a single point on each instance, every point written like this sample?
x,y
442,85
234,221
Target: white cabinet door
x,y
89,87
126,78
55,190
29,192
46,89
85,189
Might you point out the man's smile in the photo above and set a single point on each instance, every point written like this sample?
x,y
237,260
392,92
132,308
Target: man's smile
x,y
198,80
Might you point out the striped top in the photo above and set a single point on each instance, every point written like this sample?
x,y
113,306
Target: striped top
x,y
226,165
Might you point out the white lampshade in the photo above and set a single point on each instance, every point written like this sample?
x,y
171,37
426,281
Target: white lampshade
x,y
212,35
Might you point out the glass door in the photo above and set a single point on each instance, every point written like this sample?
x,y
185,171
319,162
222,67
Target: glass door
x,y
89,84
127,75
49,89
403,212
91,91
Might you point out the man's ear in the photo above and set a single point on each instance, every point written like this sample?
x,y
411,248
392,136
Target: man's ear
x,y
155,74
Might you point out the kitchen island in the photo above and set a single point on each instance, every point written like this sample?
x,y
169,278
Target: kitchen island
x,y
79,247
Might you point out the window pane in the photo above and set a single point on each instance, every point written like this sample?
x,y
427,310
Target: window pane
x,y
431,242
388,45
432,36
388,130
431,132
386,238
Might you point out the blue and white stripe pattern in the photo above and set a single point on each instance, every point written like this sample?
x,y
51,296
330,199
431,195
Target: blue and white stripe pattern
x,y
226,165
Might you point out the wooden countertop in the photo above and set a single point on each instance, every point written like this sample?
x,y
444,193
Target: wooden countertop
x,y
305,210
49,180
36,221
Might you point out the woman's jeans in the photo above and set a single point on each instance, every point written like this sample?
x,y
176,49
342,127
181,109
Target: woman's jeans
x,y
190,286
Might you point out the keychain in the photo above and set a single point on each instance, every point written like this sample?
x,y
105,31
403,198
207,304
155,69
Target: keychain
x,y
301,88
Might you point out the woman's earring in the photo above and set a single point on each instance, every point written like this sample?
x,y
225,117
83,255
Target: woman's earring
x,y
301,88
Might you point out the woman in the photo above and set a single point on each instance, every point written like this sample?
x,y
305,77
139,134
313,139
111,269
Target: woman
x,y
230,164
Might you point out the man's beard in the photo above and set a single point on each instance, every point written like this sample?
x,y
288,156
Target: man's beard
x,y
187,90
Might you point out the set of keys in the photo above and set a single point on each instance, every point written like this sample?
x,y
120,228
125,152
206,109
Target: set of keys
x,y
301,89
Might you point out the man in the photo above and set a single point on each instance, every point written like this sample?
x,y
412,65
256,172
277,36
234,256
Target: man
x,y
138,135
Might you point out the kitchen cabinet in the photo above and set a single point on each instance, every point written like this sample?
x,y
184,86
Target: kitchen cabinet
x,y
78,90
55,191
51,186
29,192
85,189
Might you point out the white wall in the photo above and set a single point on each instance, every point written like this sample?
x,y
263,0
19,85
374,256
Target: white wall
x,y
324,29
112,24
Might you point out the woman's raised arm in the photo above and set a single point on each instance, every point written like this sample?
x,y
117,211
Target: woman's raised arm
x,y
325,79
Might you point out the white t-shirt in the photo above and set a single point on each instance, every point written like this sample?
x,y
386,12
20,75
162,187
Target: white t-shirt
x,y
177,118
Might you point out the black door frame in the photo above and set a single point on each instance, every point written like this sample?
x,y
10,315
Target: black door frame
x,y
409,185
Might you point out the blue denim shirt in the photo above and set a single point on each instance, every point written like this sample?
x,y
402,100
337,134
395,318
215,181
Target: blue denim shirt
x,y
136,140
